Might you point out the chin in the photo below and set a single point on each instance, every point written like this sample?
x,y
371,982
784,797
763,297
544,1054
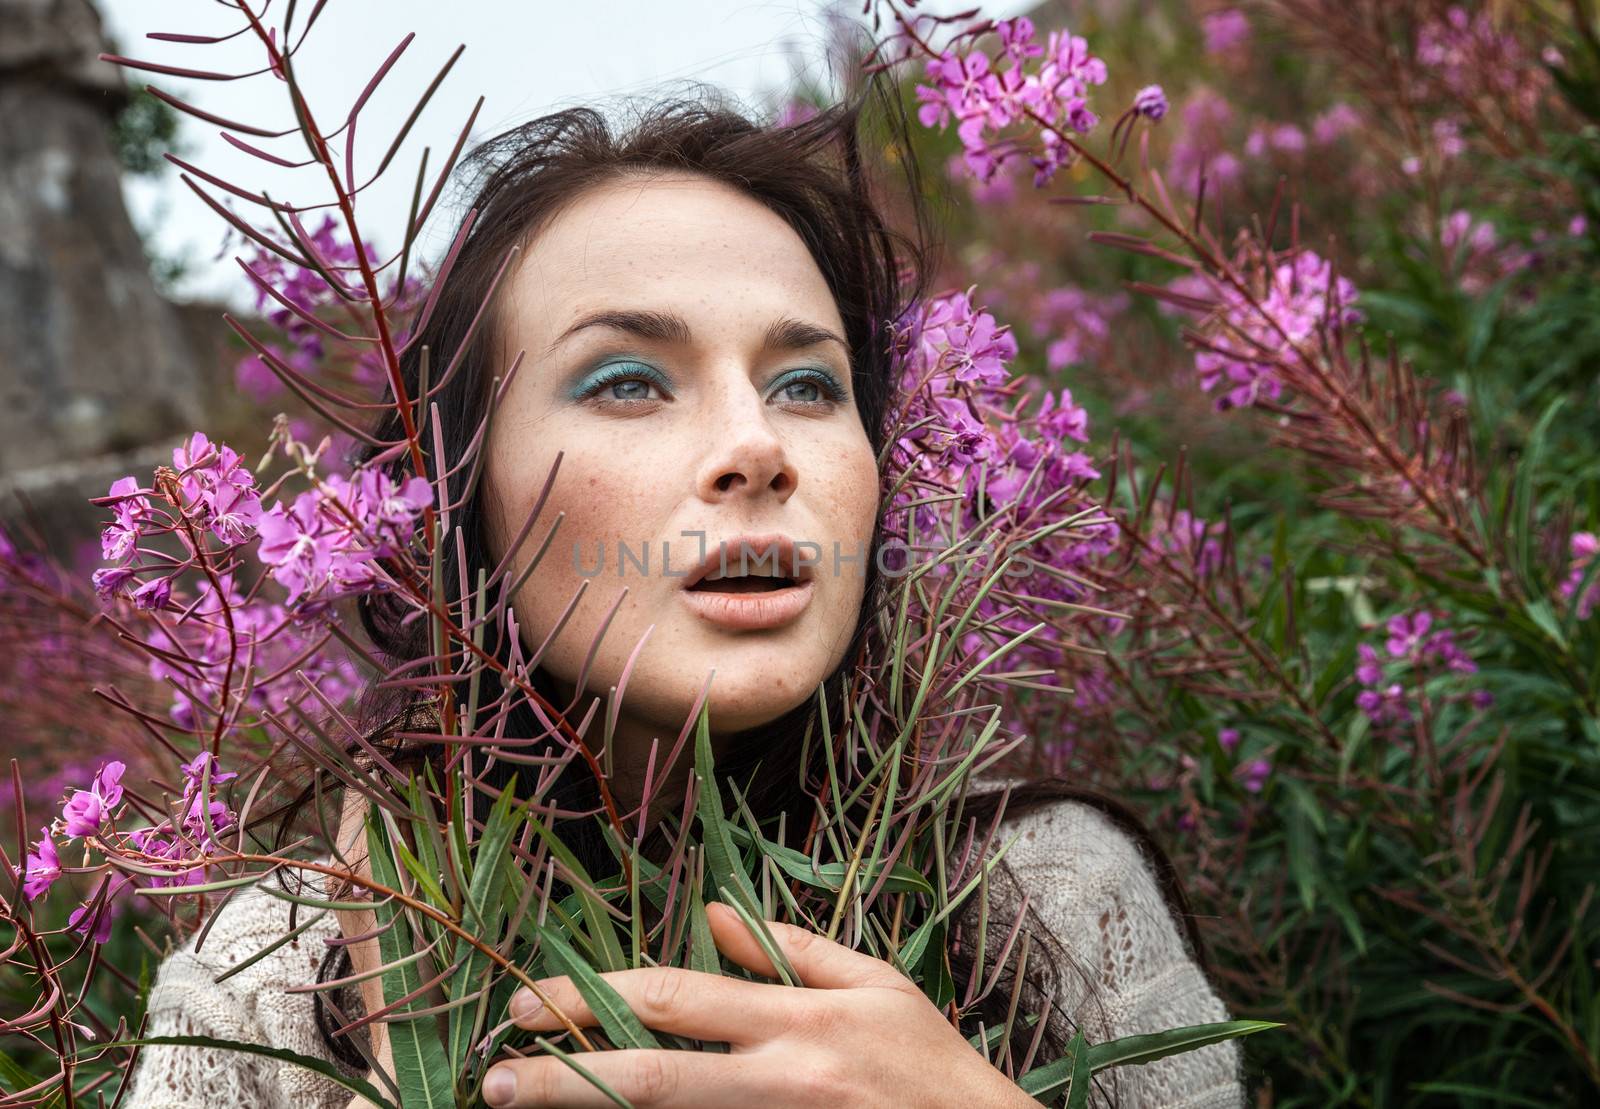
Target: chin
x,y
746,692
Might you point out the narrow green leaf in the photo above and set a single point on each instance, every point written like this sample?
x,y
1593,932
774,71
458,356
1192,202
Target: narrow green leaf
x,y
13,1077
1078,1084
609,1009
491,862
722,859
422,1071
763,937
1134,1050
583,1072
830,876
703,954
283,1055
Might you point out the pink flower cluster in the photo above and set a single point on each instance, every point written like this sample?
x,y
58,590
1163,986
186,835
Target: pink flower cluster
x,y
1469,53
309,292
1252,337
218,494
1416,646
1047,85
265,639
178,846
323,546
1225,31
1206,141
969,428
1584,545
1476,253
1202,143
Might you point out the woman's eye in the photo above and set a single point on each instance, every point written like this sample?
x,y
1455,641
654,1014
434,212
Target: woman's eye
x,y
624,382
811,387
807,391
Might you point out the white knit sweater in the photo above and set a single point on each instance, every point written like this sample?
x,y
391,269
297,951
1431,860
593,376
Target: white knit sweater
x,y
1087,881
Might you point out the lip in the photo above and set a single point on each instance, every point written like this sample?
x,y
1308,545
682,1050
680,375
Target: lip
x,y
752,611
724,557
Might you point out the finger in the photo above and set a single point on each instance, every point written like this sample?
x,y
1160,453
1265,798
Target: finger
x,y
820,962
657,1079
685,1002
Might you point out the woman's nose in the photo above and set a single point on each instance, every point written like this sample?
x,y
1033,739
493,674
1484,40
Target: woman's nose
x,y
747,456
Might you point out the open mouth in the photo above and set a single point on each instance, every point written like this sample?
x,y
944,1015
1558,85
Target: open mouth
x,y
741,583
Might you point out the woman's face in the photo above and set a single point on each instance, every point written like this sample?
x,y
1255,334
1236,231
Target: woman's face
x,y
685,358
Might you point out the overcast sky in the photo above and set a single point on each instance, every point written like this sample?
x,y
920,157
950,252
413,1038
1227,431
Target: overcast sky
x,y
524,58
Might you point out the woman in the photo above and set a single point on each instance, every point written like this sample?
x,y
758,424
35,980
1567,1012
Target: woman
x,y
703,303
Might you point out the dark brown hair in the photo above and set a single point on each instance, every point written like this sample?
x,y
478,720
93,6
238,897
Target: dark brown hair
x,y
814,175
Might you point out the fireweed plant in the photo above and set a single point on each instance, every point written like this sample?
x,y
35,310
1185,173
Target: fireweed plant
x,y
1359,684
495,850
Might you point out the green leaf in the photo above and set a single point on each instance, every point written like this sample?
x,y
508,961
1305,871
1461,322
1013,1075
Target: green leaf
x,y
830,876
1078,1084
609,1009
607,949
991,1036
1544,618
1134,1050
481,916
13,1077
722,859
763,937
703,955
321,1066
422,1070
583,1072
1522,503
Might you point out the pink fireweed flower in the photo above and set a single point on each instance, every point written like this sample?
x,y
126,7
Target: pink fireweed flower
x,y
1189,539
1255,774
959,341
1583,546
1251,342
42,868
1150,102
1225,31
1075,325
118,540
323,546
1416,645
1339,120
111,581
1477,254
205,819
310,292
1385,705
1406,633
1468,53
97,924
217,489
154,594
87,809
264,637
160,849
985,99
1228,739
1202,142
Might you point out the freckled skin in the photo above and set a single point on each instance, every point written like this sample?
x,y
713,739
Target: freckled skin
x,y
725,450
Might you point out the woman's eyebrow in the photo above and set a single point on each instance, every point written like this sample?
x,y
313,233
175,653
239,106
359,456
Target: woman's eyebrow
x,y
785,333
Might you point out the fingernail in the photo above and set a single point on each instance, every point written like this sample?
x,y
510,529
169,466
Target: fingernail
x,y
524,1004
499,1086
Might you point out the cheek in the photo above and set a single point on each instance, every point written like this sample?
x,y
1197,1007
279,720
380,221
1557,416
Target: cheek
x,y
597,488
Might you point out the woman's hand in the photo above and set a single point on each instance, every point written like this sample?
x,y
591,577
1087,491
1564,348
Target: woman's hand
x,y
861,1035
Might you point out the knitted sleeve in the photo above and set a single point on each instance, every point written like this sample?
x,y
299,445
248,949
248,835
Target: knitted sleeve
x,y
250,1006
1131,971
